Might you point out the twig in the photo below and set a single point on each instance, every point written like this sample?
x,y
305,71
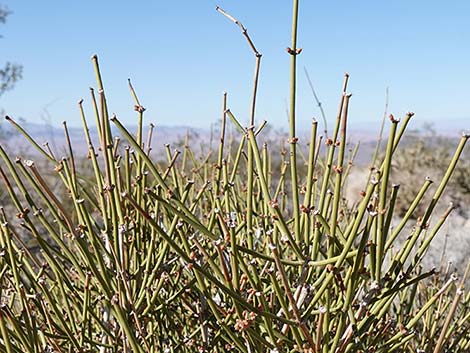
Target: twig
x,y
319,104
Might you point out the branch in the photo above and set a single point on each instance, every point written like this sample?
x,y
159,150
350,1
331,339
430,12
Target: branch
x,y
242,28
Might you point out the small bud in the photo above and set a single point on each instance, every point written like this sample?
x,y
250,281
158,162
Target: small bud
x,y
139,108
293,140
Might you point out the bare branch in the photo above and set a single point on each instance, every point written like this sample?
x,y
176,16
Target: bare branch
x,y
242,28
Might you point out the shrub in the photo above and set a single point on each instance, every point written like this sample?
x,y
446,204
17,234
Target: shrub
x,y
216,254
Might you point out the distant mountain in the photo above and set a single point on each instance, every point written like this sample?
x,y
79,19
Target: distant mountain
x,y
200,139
54,136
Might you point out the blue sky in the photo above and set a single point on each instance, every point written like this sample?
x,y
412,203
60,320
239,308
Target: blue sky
x,y
181,56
